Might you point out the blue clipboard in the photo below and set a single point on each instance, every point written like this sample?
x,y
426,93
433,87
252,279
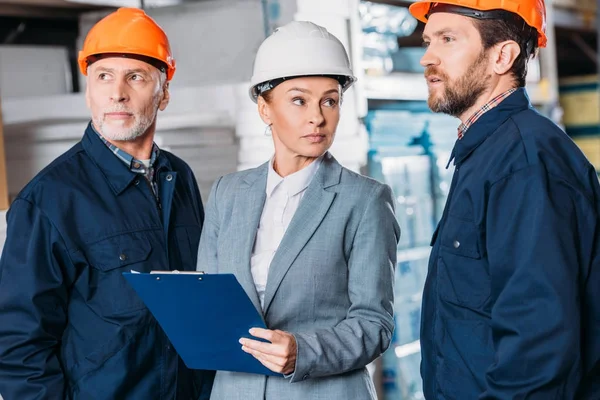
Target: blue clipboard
x,y
204,316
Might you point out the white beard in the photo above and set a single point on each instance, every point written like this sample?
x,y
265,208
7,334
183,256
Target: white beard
x,y
116,130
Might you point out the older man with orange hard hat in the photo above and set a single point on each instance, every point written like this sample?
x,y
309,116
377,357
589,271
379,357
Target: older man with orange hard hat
x,y
510,305
70,325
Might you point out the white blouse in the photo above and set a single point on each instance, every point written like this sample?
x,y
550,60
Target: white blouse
x,y
283,198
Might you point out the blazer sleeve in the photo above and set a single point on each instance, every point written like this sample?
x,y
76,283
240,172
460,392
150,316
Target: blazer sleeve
x,y
367,330
207,249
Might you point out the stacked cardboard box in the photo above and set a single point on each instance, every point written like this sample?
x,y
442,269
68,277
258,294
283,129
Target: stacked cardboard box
x,y
583,5
580,100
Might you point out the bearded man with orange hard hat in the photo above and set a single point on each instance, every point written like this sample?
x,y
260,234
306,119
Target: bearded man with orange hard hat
x,y
70,325
510,309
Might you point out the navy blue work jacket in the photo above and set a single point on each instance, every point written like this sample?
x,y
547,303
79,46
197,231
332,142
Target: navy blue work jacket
x,y
511,308
70,325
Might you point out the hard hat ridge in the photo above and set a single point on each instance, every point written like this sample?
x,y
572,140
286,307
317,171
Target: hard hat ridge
x,y
300,48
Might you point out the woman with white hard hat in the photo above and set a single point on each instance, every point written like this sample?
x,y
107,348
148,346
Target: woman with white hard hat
x,y
312,243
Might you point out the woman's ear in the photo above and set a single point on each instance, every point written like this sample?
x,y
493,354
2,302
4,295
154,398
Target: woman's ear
x,y
264,110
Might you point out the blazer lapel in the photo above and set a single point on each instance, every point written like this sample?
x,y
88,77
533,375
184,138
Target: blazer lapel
x,y
249,204
311,211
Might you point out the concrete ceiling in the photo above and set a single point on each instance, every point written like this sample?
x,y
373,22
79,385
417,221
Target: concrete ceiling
x,y
41,3
132,3
72,8
45,8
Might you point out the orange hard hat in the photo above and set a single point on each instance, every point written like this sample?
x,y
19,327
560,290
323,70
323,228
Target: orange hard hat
x,y
128,31
533,12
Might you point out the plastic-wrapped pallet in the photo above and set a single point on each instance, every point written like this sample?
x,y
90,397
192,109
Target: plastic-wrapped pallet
x,y
198,126
34,71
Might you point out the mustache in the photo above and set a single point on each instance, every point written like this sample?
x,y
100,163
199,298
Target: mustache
x,y
429,71
118,109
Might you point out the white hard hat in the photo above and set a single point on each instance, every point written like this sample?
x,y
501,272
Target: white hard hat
x,y
299,48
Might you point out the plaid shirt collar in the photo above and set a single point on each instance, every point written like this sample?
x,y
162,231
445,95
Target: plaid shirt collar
x,y
462,128
133,164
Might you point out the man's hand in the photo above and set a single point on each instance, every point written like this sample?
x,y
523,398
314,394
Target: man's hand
x,y
279,355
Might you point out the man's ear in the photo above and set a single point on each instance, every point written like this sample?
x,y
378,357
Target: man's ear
x,y
264,110
164,102
504,56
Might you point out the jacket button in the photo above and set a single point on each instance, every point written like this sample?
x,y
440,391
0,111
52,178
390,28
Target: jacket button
x,y
456,244
169,178
122,257
305,377
136,182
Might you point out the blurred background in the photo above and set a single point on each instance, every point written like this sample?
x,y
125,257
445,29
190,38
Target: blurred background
x,y
386,130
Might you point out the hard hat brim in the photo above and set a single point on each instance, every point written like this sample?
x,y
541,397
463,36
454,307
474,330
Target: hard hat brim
x,y
350,80
420,10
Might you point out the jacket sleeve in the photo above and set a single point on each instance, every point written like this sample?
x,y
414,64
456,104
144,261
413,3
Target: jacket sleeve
x,y
536,226
367,330
33,303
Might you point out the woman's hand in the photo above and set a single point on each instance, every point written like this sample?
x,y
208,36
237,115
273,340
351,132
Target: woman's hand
x,y
279,355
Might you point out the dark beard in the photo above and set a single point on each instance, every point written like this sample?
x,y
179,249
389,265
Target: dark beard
x,y
461,95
